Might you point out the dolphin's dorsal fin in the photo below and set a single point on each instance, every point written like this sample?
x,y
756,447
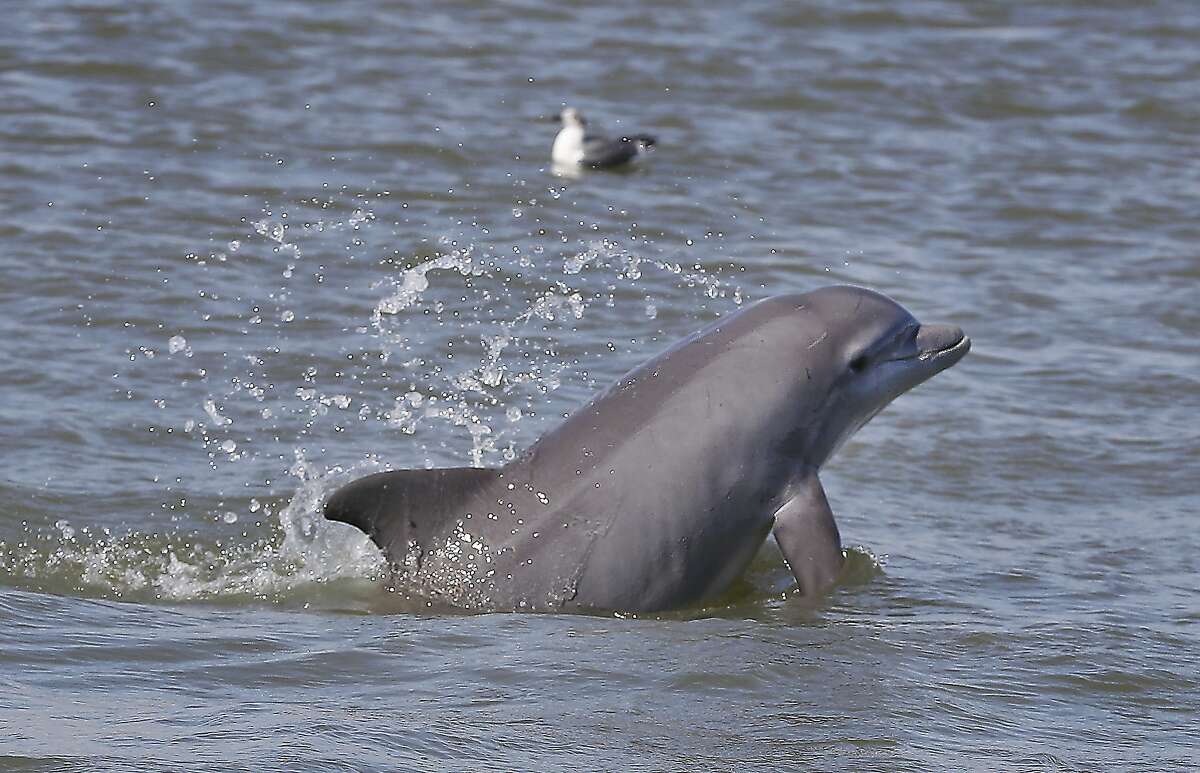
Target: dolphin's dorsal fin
x,y
403,506
808,538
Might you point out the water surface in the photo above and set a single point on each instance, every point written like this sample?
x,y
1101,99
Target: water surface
x,y
250,251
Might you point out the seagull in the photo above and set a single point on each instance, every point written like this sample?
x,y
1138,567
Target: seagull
x,y
575,146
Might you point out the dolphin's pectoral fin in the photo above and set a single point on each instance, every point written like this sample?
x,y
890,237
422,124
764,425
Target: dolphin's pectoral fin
x,y
401,507
808,538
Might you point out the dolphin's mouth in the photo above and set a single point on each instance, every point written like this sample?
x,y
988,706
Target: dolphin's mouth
x,y
960,346
956,349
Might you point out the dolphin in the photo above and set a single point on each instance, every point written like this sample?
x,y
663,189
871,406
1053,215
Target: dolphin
x,y
659,492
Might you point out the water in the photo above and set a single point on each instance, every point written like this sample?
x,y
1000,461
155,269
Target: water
x,y
251,251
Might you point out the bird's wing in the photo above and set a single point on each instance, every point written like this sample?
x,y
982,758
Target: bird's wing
x,y
601,151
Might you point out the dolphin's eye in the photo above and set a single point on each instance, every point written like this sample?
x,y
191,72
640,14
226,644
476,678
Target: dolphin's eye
x,y
858,364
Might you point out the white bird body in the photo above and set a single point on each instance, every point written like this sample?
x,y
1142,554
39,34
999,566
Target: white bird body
x,y
568,145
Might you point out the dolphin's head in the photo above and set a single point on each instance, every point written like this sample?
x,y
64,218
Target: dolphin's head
x,y
873,350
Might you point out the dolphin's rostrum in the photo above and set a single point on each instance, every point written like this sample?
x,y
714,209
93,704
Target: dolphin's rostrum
x,y
658,492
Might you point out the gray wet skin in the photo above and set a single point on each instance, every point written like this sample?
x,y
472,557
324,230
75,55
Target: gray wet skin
x,y
658,493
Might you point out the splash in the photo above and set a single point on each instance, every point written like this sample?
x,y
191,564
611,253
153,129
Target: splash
x,y
522,342
296,554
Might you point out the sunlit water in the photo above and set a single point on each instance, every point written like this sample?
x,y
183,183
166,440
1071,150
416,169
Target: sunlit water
x,y
249,252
